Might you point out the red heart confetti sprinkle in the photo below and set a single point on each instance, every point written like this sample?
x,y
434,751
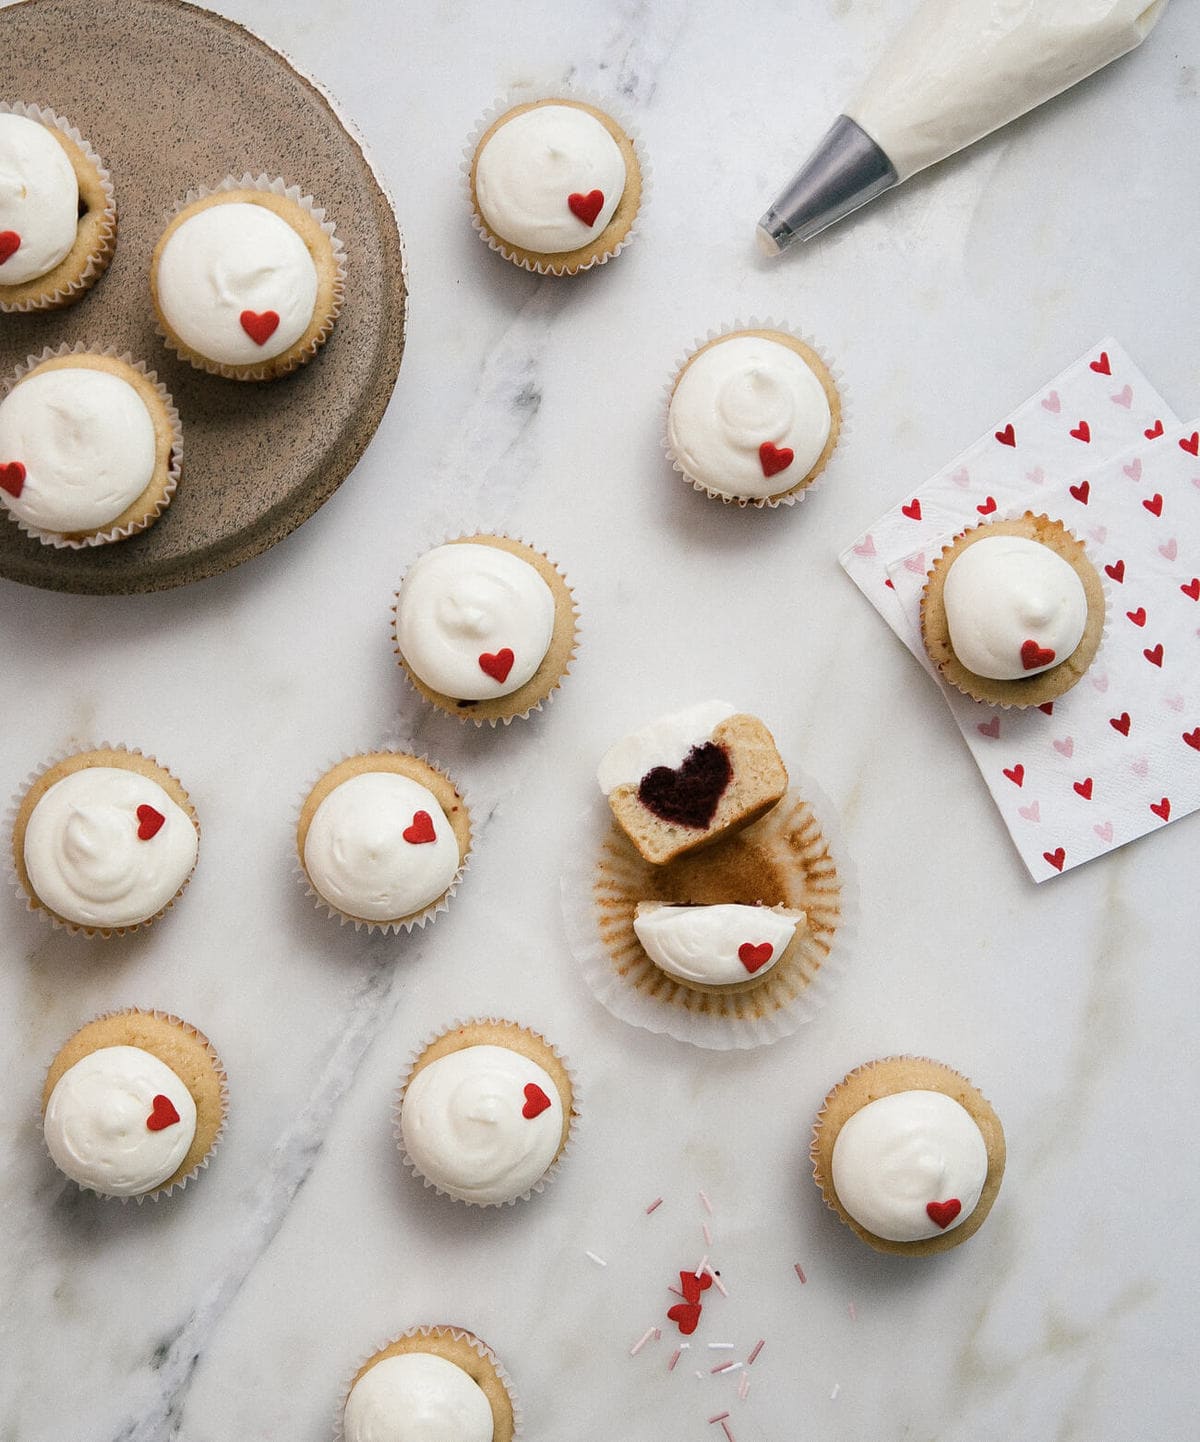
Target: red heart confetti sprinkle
x,y
1081,492
943,1213
1101,366
1016,774
536,1101
421,829
10,243
12,478
1162,808
1116,571
1154,504
774,459
162,1114
1034,655
1154,654
1008,436
912,510
1192,588
1153,432
259,325
1138,617
692,1285
1055,857
753,957
1120,723
1047,707
1084,788
497,664
1193,738
686,1315
150,822
1191,444
586,207
987,507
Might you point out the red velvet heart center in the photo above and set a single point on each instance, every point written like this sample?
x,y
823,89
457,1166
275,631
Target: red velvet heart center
x,y
586,207
12,478
752,957
421,829
10,243
688,794
162,1114
774,459
1034,655
497,664
941,1214
536,1101
259,325
150,822
686,1315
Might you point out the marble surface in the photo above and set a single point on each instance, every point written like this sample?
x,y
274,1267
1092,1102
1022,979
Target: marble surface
x,y
238,1308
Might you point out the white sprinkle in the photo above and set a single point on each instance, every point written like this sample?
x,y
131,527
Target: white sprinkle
x,y
702,1268
707,1230
726,1367
744,1386
654,1205
720,1346
685,1346
837,1387
599,1261
700,1375
641,1341
706,1203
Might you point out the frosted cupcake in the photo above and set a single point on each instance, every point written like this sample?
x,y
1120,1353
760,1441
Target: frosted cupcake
x,y
909,1154
555,186
247,280
485,1112
104,841
1013,611
484,627
134,1104
383,839
753,417
720,948
90,449
58,218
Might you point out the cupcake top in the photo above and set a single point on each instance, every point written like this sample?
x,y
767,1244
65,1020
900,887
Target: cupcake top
x,y
119,1121
417,1397
39,200
107,847
666,742
910,1165
749,416
717,945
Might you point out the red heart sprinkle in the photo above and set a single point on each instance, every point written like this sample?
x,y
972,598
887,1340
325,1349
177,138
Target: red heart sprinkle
x,y
1016,774
421,829
1153,432
1007,437
1116,571
12,478
1047,707
913,509
1191,444
10,243
1055,857
1162,808
1084,788
1101,365
692,1285
1082,432
686,1315
943,1213
987,507
1154,654
150,822
1138,617
1192,588
1154,504
1034,655
586,207
536,1101
1081,492
1120,723
259,325
753,957
774,459
1193,738
162,1114
497,664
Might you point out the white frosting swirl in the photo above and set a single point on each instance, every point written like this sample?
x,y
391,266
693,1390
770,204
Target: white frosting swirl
x,y
1003,592
460,605
417,1397
39,199
87,443
899,1155
228,259
358,858
737,395
96,1122
717,945
665,742
85,859
463,1125
534,163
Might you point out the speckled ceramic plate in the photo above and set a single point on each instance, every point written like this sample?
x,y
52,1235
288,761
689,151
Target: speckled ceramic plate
x,y
171,97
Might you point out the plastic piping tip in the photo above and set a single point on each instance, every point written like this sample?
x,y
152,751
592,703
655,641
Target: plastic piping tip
x,y
767,243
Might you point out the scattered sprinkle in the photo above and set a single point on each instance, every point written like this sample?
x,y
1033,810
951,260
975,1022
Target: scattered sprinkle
x,y
707,1230
700,1374
719,1417
728,1434
837,1387
725,1367
657,1334
755,1350
675,1355
654,1205
677,1292
599,1261
853,1311
703,1267
685,1346
641,1341
800,1272
744,1386
717,1282
705,1202
720,1346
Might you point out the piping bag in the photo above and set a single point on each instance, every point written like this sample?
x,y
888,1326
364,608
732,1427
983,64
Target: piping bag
x,y
959,70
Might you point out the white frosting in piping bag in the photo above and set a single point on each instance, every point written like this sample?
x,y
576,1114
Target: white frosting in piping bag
x,y
717,945
665,742
417,1397
39,200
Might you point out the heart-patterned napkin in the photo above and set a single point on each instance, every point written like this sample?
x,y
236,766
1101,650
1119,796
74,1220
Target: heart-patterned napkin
x,y
1119,754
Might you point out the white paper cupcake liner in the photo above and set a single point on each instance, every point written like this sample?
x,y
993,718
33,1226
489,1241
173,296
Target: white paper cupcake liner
x,y
180,1183
600,887
759,502
467,713
102,933
174,465
268,369
435,908
431,1330
532,96
551,1172
99,260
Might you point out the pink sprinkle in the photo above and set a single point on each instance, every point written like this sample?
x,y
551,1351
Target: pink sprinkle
x,y
853,1312
724,1367
657,1333
837,1387
641,1341
706,1203
744,1386
707,1230
800,1272
703,1267
720,1417
758,1346
677,1292
675,1356
728,1434
716,1282
654,1205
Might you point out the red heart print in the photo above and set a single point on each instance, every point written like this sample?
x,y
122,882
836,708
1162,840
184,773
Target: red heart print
x,y
943,1213
1116,571
1192,738
497,664
1032,812
162,1114
1162,808
150,822
1191,444
1034,655
1134,469
421,829
1081,492
1154,504
1120,723
259,325
10,243
1192,588
912,510
692,1285
1065,745
686,1315
1169,549
754,957
1016,774
1052,402
1138,617
1154,654
1084,788
865,547
1008,436
1047,707
1101,366
987,507
1055,857
586,207
774,459
990,728
12,478
1082,432
1153,432
536,1101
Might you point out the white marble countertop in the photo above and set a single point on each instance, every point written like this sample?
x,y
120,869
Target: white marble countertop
x,y
236,1309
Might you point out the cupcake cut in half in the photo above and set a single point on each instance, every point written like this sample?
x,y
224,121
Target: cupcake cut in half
x,y
726,947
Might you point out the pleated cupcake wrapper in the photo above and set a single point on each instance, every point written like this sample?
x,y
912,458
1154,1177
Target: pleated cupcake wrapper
x,y
104,933
435,908
100,257
604,881
177,1186
551,1171
466,714
769,502
532,97
459,1335
269,369
1015,513
175,465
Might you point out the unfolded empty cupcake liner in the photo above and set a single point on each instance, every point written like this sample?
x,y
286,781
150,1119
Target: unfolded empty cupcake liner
x,y
790,498
435,908
269,369
459,1334
223,1081
103,933
467,713
174,464
551,1172
606,878
106,240
533,96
